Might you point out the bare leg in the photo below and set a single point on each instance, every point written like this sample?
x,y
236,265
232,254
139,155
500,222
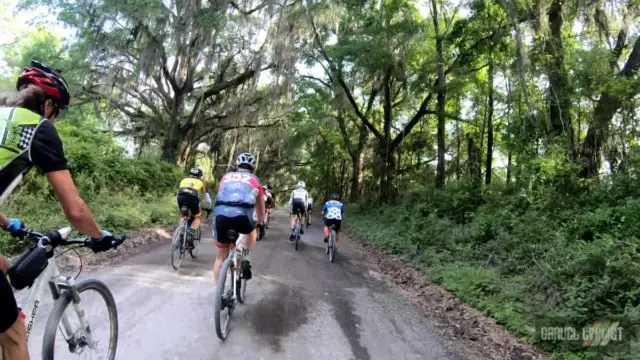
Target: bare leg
x,y
250,241
221,255
195,224
14,342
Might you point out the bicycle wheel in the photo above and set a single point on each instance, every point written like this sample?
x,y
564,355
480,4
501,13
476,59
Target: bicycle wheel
x,y
177,246
79,344
241,287
297,235
196,243
222,325
332,246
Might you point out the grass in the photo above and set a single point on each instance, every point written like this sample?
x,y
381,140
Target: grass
x,y
116,211
526,270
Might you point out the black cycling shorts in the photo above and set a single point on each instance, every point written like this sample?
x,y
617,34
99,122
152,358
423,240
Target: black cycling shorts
x,y
269,202
8,306
329,222
190,201
298,206
310,207
243,224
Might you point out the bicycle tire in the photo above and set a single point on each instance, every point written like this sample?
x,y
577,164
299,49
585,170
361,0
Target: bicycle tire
x,y
241,288
223,333
332,246
297,239
178,238
64,301
196,243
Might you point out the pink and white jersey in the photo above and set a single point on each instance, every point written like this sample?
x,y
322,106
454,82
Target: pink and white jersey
x,y
239,189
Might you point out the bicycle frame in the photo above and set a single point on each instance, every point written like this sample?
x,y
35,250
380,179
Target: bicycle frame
x,y
57,283
236,256
298,223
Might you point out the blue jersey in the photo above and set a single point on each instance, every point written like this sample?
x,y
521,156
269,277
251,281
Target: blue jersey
x,y
333,210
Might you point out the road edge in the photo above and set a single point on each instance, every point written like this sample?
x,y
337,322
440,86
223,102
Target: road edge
x,y
476,334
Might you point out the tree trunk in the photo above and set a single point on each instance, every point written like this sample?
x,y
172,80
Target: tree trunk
x,y
441,97
174,138
474,161
458,143
386,150
559,96
171,144
487,173
610,101
232,151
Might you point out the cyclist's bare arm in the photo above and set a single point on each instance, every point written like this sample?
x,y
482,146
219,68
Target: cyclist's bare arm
x,y
260,208
5,265
74,207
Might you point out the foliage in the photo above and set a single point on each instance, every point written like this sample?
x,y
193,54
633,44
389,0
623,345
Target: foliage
x,y
123,193
524,115
529,260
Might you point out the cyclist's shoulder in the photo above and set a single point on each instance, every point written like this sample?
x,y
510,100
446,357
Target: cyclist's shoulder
x,y
20,116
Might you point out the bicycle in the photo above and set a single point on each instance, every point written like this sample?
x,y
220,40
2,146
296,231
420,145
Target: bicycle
x,y
233,265
331,244
179,244
296,229
37,269
267,222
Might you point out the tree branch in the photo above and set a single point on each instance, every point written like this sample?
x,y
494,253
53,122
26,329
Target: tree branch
x,y
238,80
422,111
318,80
249,12
341,82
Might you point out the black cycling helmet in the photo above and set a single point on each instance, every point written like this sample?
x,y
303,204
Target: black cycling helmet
x,y
195,172
334,196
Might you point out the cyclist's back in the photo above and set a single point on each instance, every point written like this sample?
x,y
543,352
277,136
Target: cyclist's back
x,y
239,206
193,186
298,203
333,211
235,206
190,192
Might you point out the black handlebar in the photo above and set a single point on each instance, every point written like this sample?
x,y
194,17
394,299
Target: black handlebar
x,y
54,239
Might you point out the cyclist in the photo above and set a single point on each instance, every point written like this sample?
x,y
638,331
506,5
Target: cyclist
x,y
273,195
29,139
298,203
188,195
332,212
269,202
309,209
239,206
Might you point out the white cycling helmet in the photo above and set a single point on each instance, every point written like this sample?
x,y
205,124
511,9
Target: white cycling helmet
x,y
301,185
246,159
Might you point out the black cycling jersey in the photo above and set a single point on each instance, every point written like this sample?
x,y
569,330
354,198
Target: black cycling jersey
x,y
28,140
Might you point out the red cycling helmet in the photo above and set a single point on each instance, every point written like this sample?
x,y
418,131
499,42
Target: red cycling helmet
x,y
47,79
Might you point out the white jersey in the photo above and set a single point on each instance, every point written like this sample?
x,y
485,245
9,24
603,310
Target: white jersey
x,y
300,194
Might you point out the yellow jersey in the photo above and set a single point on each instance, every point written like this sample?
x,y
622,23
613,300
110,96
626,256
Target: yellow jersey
x,y
193,186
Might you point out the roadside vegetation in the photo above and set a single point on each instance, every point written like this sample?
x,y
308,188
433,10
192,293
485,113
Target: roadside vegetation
x,y
493,144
